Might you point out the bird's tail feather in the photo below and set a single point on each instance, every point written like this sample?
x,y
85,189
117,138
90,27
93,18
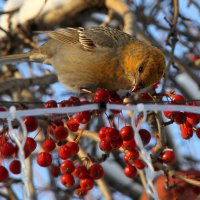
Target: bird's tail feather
x,y
14,58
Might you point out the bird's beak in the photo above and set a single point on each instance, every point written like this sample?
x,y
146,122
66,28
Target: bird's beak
x,y
136,84
134,88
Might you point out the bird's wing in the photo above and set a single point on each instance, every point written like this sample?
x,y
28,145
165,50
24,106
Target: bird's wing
x,y
66,36
106,36
90,39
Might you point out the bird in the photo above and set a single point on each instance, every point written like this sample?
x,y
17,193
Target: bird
x,y
97,57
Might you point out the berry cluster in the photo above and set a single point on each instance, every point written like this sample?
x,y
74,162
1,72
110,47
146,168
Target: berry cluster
x,y
111,139
8,149
187,121
86,176
60,154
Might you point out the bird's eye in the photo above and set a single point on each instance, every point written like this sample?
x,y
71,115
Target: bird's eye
x,y
141,69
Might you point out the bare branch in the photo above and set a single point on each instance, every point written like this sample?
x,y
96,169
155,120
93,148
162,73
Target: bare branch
x,y
70,9
125,12
21,83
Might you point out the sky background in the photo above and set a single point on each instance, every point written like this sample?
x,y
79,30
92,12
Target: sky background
x,y
184,147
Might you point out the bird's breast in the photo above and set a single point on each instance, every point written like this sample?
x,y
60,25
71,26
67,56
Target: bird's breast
x,y
77,68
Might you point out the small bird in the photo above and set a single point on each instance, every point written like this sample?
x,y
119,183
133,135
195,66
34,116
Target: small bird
x,y
100,57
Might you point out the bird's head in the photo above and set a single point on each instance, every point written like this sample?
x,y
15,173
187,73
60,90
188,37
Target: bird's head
x,y
143,65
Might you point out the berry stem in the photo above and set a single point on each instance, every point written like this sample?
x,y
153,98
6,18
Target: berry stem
x,y
81,133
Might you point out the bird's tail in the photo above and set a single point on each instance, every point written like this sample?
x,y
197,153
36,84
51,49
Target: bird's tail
x,y
14,58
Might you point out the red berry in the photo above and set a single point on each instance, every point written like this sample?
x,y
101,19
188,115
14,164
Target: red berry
x,y
115,99
101,95
31,143
187,134
3,173
87,183
178,99
51,104
73,147
171,114
60,133
3,139
145,136
30,146
55,171
67,180
129,145
109,134
192,103
127,133
72,101
186,131
194,57
83,117
116,144
180,118
65,103
7,149
139,164
75,101
132,155
2,109
44,159
167,113
73,125
67,166
49,145
81,172
155,85
64,152
125,159
31,123
80,191
198,132
168,156
130,171
112,134
103,132
192,118
96,171
15,167
104,145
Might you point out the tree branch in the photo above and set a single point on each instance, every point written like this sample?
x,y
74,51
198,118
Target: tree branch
x,y
21,83
125,12
70,9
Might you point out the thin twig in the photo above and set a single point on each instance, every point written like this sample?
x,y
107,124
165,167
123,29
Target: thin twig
x,y
187,180
8,12
171,40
